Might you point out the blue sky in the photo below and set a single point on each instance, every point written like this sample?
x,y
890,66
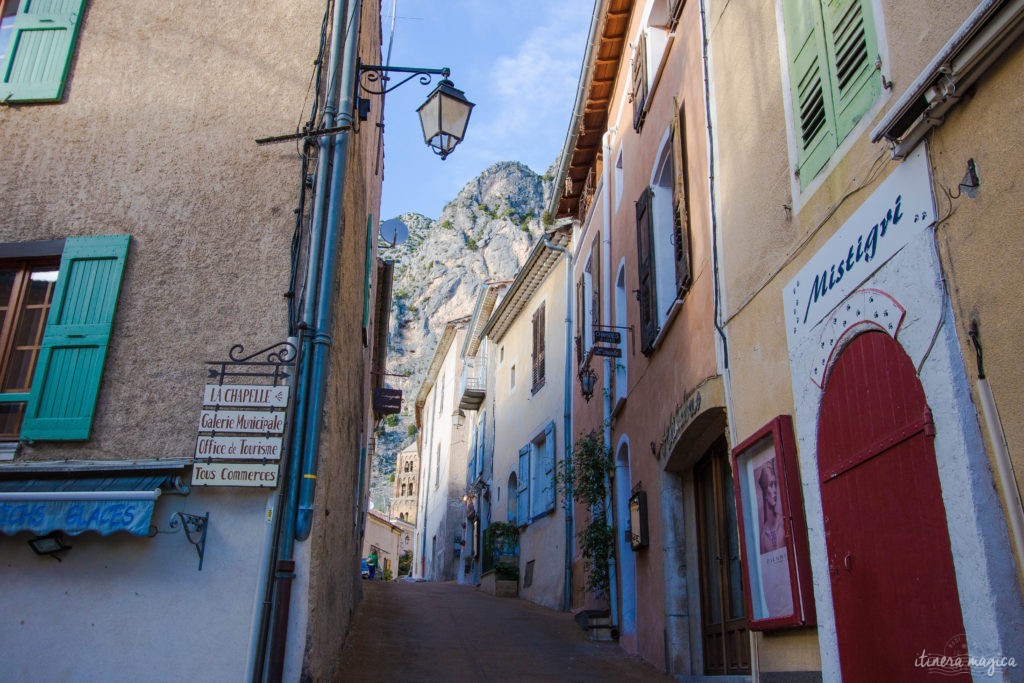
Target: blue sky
x,y
517,60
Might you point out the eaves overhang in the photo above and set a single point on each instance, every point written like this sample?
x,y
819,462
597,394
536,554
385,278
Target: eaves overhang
x,y
605,46
539,264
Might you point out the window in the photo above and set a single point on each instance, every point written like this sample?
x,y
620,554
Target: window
x,y
833,53
512,378
619,178
536,478
36,43
55,329
663,236
538,350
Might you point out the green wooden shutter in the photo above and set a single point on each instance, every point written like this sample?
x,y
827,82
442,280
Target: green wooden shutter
x,y
549,467
646,294
523,493
67,377
812,95
638,93
39,53
852,50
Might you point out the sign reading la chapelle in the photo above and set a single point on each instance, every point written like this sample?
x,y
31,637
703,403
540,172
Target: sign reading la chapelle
x,y
241,426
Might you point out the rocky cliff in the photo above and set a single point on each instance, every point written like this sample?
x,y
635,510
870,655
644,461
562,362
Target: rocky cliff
x,y
483,234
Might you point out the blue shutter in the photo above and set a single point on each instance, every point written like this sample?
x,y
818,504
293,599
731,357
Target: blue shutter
x,y
549,467
39,52
74,347
523,494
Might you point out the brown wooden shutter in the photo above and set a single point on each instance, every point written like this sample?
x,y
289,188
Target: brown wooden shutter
x,y
538,348
595,281
638,95
681,204
646,295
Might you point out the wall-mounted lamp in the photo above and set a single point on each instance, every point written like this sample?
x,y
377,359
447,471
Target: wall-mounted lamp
x,y
50,544
458,418
588,380
445,114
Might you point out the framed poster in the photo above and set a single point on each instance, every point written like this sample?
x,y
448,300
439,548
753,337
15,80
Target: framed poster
x,y
773,532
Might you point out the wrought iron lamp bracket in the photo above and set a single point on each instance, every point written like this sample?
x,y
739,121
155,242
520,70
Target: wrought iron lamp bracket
x,y
195,530
369,74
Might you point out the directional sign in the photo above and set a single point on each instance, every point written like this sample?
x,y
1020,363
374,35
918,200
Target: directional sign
x,y
609,351
239,448
254,396
234,474
607,336
242,421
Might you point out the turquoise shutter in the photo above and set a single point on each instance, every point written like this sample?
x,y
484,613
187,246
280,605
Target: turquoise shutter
x,y
523,494
852,52
809,82
549,467
74,347
39,52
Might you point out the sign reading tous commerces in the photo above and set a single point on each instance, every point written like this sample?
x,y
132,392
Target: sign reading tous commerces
x,y
242,423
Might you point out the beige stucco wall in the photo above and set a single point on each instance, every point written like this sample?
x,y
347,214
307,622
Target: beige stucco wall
x,y
770,227
155,138
520,416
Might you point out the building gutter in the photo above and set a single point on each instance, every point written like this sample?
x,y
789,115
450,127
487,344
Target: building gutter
x,y
322,340
567,423
986,34
609,367
315,327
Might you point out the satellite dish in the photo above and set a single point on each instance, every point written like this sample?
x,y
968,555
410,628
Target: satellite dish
x,y
393,232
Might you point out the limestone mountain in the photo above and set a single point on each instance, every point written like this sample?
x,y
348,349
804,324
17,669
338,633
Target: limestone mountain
x,y
484,233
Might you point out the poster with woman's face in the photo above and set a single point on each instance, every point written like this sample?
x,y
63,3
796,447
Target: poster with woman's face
x,y
769,560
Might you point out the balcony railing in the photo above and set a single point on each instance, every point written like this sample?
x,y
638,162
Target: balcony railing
x,y
473,383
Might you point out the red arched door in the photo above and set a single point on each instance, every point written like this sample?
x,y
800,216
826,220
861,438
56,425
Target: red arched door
x,y
893,584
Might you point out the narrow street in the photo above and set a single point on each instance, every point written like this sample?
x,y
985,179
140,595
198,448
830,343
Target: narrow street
x,y
441,632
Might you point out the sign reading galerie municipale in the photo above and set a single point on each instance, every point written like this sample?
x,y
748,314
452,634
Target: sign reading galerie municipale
x,y
897,211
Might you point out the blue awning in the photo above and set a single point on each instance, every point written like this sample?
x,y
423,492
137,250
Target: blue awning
x,y
77,505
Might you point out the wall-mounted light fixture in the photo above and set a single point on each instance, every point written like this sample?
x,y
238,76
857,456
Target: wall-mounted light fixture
x,y
443,116
50,544
588,380
458,418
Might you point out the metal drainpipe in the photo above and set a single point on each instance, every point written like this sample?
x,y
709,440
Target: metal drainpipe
x,y
322,340
567,423
285,567
609,367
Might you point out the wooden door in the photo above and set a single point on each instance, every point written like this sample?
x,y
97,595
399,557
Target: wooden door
x,y
724,624
893,584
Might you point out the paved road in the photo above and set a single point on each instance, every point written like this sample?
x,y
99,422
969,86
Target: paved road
x,y
441,632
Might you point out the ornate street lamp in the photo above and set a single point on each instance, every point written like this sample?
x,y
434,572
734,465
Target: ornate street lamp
x,y
588,380
443,116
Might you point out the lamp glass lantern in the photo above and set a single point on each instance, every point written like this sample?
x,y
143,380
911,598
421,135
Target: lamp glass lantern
x,y
444,117
458,418
588,381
